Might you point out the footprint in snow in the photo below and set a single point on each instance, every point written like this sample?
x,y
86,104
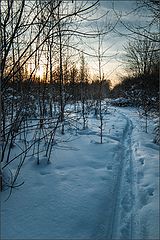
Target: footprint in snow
x,y
126,203
44,172
145,194
141,160
150,191
143,197
109,167
140,176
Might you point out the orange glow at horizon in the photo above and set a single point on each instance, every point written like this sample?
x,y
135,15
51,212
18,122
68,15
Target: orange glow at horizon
x,y
40,72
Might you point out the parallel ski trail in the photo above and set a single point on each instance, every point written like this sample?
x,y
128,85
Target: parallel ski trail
x,y
123,196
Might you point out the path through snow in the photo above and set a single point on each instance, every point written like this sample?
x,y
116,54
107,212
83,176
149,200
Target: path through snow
x,y
124,196
90,190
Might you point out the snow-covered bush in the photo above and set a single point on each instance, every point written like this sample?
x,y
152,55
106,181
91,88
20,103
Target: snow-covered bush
x,y
120,102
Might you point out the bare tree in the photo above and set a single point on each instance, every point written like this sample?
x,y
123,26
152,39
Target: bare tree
x,y
36,20
83,79
141,56
147,10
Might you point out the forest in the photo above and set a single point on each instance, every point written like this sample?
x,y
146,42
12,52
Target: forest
x,y
52,94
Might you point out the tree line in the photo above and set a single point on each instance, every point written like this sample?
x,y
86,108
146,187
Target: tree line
x,y
42,36
141,60
43,68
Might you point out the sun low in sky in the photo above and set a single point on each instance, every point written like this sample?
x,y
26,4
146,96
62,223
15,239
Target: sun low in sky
x,y
40,72
114,41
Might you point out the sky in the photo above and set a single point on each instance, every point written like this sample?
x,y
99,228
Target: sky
x,y
113,65
113,42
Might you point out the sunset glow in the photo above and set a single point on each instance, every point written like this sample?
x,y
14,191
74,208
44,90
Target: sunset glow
x,y
40,72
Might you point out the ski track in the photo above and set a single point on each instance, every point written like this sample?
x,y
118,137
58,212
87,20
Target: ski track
x,y
122,223
120,218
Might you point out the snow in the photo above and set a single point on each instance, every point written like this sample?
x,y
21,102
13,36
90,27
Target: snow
x,y
89,190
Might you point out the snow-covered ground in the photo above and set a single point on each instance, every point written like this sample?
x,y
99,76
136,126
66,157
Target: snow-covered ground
x,y
89,190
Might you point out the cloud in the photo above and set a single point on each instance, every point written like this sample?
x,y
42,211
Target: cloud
x,y
114,40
